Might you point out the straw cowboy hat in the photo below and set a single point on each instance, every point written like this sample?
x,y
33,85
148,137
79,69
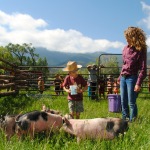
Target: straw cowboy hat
x,y
72,66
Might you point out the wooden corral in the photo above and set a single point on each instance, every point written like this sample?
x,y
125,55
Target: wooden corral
x,y
7,86
15,79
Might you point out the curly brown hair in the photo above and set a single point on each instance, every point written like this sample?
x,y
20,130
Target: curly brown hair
x,y
137,37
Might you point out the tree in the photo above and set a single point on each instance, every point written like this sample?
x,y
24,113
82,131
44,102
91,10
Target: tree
x,y
43,62
4,55
31,59
18,52
110,64
23,54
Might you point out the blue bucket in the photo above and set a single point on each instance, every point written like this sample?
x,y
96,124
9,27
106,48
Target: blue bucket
x,y
114,102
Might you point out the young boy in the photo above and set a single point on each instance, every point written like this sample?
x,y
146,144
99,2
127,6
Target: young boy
x,y
73,79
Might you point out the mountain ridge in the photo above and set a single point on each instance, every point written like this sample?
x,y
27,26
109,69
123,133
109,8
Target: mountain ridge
x,y
56,58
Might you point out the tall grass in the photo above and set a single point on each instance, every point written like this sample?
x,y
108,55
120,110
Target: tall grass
x,y
136,138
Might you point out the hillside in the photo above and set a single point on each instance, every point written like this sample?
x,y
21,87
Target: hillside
x,y
55,58
59,58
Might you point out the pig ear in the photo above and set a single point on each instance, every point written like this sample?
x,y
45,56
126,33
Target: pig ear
x,y
66,121
110,125
17,118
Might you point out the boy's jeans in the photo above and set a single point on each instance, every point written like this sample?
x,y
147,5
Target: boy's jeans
x,y
128,97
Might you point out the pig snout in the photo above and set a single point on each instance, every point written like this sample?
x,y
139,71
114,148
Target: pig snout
x,y
118,126
121,127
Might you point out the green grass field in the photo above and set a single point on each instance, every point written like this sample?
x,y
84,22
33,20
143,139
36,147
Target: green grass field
x,y
136,138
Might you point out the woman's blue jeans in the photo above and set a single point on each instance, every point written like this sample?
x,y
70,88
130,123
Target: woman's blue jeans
x,y
128,97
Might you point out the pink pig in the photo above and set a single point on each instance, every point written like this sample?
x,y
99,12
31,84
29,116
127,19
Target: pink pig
x,y
97,128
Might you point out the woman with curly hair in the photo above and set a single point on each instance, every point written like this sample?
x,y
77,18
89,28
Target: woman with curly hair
x,y
133,71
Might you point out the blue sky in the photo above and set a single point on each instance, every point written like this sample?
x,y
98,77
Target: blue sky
x,y
78,26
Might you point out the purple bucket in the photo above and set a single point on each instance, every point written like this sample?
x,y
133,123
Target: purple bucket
x,y
114,102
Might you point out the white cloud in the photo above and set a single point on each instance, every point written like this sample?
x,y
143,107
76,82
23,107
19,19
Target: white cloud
x,y
146,9
18,21
23,28
146,21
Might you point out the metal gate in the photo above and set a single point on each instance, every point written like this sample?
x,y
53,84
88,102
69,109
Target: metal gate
x,y
145,88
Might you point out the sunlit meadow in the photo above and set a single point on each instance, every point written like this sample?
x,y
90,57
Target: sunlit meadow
x,y
136,138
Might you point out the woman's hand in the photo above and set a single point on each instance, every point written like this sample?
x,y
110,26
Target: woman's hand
x,y
118,82
137,88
